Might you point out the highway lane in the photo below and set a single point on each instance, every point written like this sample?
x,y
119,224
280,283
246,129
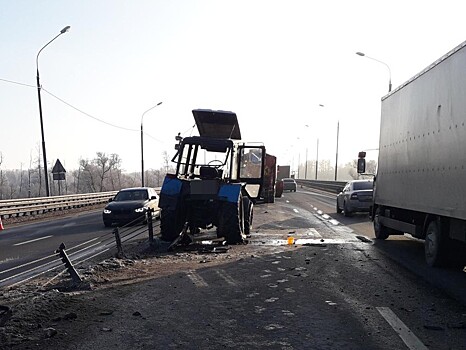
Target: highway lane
x,y
26,247
405,250
336,291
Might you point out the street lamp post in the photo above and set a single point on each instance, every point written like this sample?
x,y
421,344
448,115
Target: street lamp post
x,y
317,152
336,154
317,157
305,170
47,190
142,143
386,65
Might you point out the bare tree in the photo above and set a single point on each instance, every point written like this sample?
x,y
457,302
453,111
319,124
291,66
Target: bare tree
x,y
39,169
105,164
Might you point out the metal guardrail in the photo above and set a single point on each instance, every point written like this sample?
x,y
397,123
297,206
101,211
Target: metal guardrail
x,y
30,206
34,206
329,186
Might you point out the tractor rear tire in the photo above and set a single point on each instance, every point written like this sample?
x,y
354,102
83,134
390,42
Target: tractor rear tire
x,y
231,223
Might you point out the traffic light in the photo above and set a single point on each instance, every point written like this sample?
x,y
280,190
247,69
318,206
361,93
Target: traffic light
x,y
361,162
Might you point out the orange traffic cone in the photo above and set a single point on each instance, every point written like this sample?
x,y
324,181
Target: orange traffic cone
x,y
1,225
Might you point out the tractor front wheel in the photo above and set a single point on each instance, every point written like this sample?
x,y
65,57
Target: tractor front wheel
x,y
231,223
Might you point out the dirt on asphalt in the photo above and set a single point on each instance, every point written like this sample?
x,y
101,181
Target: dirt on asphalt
x,y
49,312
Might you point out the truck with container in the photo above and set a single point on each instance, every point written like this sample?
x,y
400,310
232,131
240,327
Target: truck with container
x,y
218,179
419,187
270,176
283,172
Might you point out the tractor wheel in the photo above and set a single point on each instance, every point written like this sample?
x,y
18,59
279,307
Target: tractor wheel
x,y
231,224
248,213
171,224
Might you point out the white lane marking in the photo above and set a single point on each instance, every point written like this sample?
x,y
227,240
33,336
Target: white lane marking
x,y
32,240
296,211
408,337
226,277
196,279
313,232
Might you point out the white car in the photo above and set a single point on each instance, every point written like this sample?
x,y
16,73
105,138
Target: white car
x,y
289,184
356,196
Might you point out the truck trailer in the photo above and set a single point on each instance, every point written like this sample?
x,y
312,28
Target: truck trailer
x,y
420,185
283,172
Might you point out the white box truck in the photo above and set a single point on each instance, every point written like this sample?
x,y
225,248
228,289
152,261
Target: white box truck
x,y
420,185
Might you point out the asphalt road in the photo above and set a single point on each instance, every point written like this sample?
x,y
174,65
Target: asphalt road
x,y
334,288
27,246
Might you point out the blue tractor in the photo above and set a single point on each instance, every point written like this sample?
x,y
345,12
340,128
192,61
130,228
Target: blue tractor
x,y
217,181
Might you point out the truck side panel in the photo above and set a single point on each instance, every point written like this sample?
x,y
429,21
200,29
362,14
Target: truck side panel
x,y
422,156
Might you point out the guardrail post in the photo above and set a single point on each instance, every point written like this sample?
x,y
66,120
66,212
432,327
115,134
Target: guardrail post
x,y
149,225
120,253
69,266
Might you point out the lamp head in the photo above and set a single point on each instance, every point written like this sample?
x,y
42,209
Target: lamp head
x,y
360,54
64,30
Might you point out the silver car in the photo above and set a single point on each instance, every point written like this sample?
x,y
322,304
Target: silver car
x,y
289,184
356,196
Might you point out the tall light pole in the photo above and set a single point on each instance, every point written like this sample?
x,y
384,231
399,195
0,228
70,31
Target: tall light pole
x,y
386,65
336,154
47,190
317,153
142,143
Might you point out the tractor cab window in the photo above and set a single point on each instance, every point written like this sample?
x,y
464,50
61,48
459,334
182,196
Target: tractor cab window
x,y
251,167
250,163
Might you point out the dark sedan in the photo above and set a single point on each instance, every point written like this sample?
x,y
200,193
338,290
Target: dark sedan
x,y
130,205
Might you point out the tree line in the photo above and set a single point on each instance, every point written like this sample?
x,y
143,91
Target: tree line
x,y
104,173
100,174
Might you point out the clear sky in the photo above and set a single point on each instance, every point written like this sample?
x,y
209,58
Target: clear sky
x,y
272,62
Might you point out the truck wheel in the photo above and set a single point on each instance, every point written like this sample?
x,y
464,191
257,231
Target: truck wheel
x,y
171,225
346,210
434,245
231,225
248,213
381,232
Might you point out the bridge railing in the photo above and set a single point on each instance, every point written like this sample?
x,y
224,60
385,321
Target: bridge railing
x,y
32,206
329,186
